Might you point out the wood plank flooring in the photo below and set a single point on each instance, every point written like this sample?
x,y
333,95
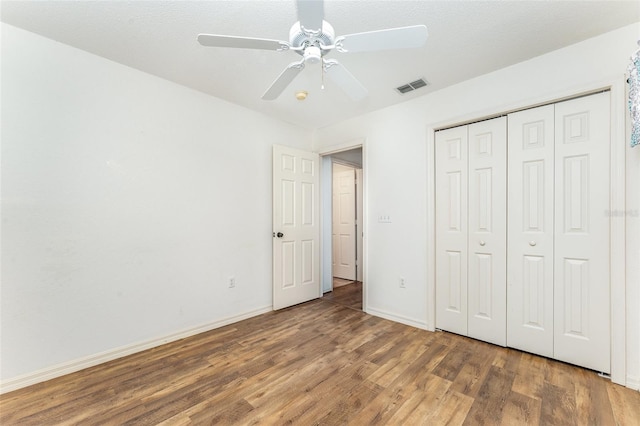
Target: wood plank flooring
x,y
323,363
349,295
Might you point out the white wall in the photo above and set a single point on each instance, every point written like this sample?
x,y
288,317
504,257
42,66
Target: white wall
x,y
127,203
400,165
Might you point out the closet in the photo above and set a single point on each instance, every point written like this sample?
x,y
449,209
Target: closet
x,y
522,230
471,230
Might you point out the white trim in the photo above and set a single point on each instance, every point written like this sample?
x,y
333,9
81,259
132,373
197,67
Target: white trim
x,y
345,146
322,221
59,370
399,318
633,383
431,230
617,255
346,163
618,196
543,99
365,227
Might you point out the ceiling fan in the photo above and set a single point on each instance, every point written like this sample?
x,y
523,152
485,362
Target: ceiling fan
x,y
312,37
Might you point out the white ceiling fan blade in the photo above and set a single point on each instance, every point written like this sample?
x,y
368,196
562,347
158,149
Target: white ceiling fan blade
x,y
284,79
311,14
345,80
392,38
214,40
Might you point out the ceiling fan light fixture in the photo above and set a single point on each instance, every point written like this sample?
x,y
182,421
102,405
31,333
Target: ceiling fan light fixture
x,y
312,55
301,95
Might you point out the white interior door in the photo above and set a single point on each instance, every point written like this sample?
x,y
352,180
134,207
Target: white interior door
x,y
296,229
530,230
344,222
451,229
582,176
487,244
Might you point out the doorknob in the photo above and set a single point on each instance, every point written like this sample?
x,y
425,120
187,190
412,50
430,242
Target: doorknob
x,y
482,243
532,243
279,235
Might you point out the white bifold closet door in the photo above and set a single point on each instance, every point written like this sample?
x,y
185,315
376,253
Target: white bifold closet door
x,y
558,267
487,274
471,230
452,171
530,230
582,243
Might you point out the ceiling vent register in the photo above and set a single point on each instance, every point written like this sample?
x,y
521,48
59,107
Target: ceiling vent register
x,y
409,87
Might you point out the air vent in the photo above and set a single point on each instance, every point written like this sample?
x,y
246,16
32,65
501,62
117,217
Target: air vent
x,y
418,84
412,86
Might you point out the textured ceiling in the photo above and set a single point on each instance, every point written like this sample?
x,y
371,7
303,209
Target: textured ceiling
x,y
466,39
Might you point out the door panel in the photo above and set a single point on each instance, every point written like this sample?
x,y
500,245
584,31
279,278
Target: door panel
x,y
487,240
344,225
582,334
308,254
296,258
456,283
533,294
451,229
530,230
288,264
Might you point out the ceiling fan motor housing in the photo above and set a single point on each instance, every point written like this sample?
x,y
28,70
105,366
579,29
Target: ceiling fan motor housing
x,y
311,41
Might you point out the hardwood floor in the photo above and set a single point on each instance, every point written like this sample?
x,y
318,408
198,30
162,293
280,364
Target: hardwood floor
x,y
339,282
349,295
323,363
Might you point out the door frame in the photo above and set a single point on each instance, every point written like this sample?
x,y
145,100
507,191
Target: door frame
x,y
617,255
325,263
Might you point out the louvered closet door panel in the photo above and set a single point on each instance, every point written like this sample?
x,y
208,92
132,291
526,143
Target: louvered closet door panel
x,y
530,231
581,319
487,262
451,230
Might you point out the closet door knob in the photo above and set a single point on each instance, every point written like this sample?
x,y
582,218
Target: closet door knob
x,y
482,243
532,243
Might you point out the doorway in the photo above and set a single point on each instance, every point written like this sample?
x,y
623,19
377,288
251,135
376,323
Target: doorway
x,y
342,224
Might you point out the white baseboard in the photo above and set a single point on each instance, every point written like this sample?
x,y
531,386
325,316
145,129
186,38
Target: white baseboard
x,y
633,383
102,357
397,318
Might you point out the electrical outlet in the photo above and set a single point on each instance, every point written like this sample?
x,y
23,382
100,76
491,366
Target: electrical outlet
x,y
232,282
402,284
